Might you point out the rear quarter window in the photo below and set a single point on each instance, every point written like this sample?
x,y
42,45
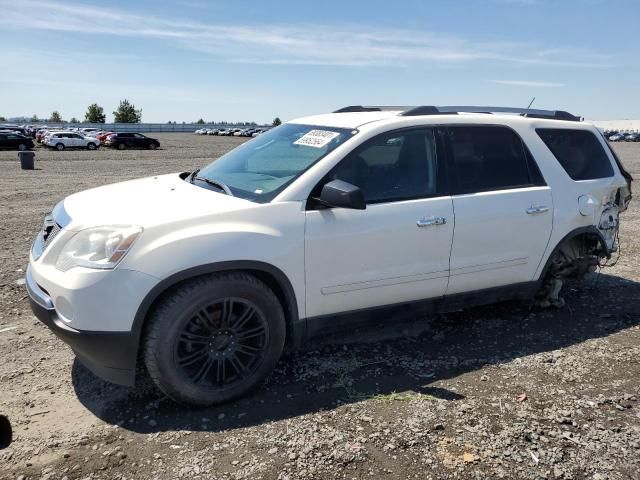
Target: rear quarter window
x,y
578,151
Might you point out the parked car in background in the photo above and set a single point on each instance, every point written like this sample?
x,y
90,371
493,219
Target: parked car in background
x,y
43,132
223,132
14,128
14,141
102,137
617,137
63,140
632,137
125,140
212,131
609,133
247,132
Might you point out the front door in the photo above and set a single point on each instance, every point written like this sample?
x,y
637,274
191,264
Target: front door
x,y
503,207
397,249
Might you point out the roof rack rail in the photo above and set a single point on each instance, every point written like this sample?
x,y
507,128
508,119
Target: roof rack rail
x,y
525,112
454,110
370,108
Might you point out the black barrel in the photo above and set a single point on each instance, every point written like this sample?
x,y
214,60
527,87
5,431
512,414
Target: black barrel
x,y
27,160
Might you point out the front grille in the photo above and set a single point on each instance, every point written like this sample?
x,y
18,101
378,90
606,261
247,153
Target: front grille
x,y
48,237
50,230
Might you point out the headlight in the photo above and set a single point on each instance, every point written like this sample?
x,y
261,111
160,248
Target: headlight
x,y
99,247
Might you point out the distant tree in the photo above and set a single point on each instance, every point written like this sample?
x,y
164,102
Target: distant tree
x,y
127,113
200,122
74,120
276,122
95,114
34,118
55,117
2,119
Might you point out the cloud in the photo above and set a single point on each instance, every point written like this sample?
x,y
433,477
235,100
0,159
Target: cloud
x,y
310,44
528,83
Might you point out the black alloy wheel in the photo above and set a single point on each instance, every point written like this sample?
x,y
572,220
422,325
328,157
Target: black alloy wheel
x,y
221,343
214,338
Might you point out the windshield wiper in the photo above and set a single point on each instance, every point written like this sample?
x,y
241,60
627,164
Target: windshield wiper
x,y
193,174
213,183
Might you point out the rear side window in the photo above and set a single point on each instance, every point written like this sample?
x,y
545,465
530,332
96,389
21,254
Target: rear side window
x,y
490,158
578,151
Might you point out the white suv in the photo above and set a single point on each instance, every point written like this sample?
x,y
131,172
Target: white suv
x,y
206,277
62,140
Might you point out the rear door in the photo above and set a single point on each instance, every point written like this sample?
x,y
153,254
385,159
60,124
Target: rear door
x,y
503,209
397,249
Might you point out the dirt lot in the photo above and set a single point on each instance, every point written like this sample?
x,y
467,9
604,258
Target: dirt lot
x,y
437,401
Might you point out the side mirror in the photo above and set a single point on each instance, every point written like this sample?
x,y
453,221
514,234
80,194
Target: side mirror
x,y
337,193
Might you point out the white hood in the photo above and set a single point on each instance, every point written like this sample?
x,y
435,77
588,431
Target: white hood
x,y
145,202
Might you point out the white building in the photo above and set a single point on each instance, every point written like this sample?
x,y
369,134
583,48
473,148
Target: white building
x,y
618,125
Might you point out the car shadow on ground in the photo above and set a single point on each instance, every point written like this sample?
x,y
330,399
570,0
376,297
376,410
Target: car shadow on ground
x,y
403,355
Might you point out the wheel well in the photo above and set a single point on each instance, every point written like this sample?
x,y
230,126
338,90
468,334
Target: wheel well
x,y
284,293
583,247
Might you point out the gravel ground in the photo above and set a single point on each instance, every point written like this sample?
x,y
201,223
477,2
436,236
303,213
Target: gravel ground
x,y
495,392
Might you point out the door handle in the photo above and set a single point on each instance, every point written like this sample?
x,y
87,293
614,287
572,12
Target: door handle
x,y
431,221
535,210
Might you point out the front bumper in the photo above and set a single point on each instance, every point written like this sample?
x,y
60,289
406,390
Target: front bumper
x,y
110,355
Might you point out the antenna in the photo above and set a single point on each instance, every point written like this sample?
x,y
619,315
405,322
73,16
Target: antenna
x,y
531,103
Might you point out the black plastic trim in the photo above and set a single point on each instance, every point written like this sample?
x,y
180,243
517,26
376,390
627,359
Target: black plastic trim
x,y
348,321
110,355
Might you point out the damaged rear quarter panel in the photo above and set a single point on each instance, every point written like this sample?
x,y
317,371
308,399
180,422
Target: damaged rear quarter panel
x,y
601,193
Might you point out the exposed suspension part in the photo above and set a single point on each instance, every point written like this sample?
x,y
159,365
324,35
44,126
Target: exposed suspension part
x,y
574,259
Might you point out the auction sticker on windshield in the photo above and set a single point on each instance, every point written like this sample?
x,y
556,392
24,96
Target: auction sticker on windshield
x,y
316,138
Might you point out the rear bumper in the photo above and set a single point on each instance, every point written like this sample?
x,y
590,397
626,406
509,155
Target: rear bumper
x,y
110,355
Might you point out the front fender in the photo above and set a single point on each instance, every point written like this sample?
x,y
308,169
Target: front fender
x,y
269,238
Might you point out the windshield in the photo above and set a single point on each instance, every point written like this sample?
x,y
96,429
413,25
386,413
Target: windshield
x,y
261,168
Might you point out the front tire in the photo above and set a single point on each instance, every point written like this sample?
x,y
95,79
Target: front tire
x,y
214,339
121,146
153,146
91,146
22,147
59,146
